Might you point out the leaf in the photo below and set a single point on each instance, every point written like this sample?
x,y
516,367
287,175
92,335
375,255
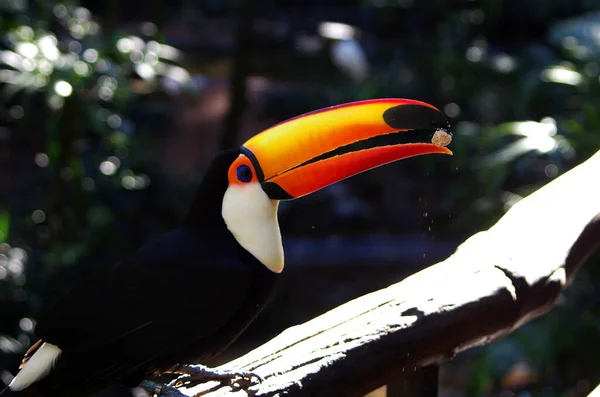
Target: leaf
x,y
4,224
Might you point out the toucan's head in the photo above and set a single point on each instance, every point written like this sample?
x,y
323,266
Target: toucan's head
x,y
309,152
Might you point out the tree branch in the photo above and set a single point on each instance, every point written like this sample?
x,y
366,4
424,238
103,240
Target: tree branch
x,y
242,64
495,282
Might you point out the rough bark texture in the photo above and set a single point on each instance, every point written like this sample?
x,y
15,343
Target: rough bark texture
x,y
495,282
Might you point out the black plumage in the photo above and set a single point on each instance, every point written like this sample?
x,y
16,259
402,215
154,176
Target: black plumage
x,y
182,298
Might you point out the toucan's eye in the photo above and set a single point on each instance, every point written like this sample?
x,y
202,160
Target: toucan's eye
x,y
244,173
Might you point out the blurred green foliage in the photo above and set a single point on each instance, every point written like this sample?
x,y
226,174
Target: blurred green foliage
x,y
83,103
79,158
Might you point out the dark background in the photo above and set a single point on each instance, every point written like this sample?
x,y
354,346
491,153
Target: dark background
x,y
112,110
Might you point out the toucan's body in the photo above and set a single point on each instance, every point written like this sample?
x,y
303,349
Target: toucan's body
x,y
152,322
183,297
190,293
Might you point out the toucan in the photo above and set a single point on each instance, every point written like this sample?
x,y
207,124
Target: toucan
x,y
187,295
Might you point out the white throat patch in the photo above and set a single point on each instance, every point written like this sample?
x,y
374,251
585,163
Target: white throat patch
x,y
251,216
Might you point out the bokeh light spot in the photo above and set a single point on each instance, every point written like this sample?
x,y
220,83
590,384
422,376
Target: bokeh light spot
x,y
63,88
66,173
90,55
136,56
25,32
55,102
148,28
16,112
105,93
81,68
452,109
75,46
41,160
145,71
474,54
551,170
108,168
88,184
48,46
562,75
476,17
125,45
128,182
336,31
114,121
28,50
38,216
60,11
26,324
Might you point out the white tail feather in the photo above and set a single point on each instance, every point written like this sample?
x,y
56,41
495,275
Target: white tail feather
x,y
39,365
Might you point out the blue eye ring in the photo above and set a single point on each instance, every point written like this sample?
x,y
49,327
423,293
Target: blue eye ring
x,y
244,173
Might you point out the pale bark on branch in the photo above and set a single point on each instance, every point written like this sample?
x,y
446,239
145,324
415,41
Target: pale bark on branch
x,y
495,282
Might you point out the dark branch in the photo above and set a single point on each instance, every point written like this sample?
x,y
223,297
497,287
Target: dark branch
x,y
239,73
495,282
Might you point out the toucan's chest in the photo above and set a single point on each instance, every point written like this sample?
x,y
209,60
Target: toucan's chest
x,y
202,265
215,281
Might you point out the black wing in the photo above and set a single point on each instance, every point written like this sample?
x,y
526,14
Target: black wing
x,y
178,289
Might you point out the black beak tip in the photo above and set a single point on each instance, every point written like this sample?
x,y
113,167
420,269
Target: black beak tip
x,y
415,117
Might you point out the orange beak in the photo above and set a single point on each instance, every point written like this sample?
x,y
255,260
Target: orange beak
x,y
309,152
